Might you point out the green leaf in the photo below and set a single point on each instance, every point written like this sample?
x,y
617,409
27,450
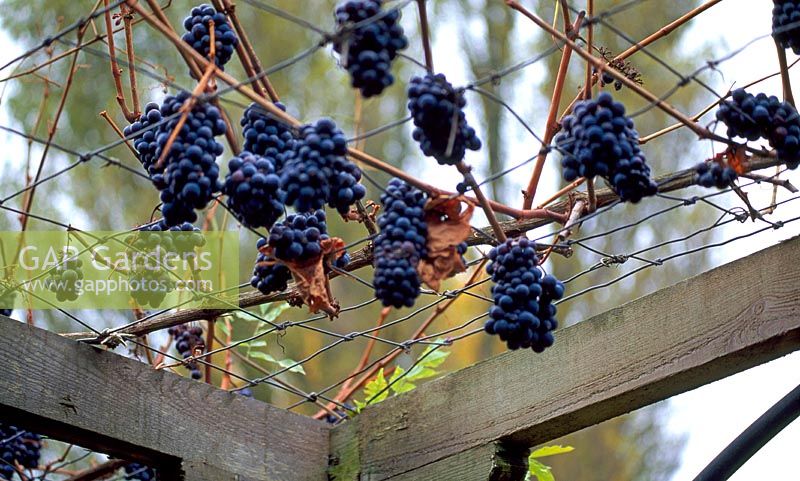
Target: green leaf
x,y
359,405
224,328
399,383
270,312
540,471
255,343
551,451
377,385
284,363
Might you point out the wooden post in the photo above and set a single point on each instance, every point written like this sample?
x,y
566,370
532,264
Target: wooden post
x,y
695,332
115,405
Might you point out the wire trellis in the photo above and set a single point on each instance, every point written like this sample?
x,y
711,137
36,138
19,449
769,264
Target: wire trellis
x,y
332,397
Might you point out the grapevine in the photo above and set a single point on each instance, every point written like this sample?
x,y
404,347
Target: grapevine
x,y
191,177
598,139
400,244
18,447
318,172
265,136
786,23
199,37
440,124
253,189
523,314
368,50
189,340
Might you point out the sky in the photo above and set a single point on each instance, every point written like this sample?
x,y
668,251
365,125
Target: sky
x,y
713,415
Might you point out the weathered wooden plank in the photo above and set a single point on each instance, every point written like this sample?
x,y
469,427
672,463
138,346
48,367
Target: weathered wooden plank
x,y
711,326
123,407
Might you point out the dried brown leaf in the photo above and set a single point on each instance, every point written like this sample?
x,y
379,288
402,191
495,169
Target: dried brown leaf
x,y
448,226
311,280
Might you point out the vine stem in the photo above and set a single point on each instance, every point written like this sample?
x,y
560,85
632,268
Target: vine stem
x,y
244,57
552,125
658,34
426,34
587,88
116,72
592,196
599,64
362,363
353,153
678,125
564,190
230,10
119,132
786,82
127,25
347,392
466,171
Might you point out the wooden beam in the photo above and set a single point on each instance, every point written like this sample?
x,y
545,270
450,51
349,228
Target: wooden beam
x,y
116,405
695,332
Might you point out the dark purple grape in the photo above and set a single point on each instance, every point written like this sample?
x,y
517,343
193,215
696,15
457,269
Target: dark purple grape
x,y
198,34
438,112
400,245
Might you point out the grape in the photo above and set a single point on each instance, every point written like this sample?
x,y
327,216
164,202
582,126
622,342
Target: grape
x,y
139,472
187,340
341,411
183,238
253,189
367,52
317,171
64,280
265,135
191,176
145,143
400,245
714,175
246,392
269,278
598,139
523,314
761,116
786,23
18,446
198,35
298,237
435,106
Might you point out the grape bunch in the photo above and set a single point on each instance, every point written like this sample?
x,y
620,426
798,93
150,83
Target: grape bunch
x,y
786,23
198,34
269,275
756,116
254,190
368,50
437,109
400,245
181,239
598,139
266,136
714,175
317,170
298,237
18,446
146,143
246,392
187,341
139,472
65,278
608,79
523,314
191,176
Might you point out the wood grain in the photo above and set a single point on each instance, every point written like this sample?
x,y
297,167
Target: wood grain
x,y
112,404
700,330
